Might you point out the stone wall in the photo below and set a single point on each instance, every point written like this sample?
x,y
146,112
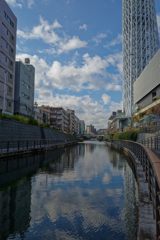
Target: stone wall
x,y
14,130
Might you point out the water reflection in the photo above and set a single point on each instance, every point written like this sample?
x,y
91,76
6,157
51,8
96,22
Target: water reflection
x,y
83,192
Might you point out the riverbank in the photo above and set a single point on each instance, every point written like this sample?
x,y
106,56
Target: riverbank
x,y
147,225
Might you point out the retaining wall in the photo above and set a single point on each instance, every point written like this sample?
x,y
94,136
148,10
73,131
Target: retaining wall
x,y
14,130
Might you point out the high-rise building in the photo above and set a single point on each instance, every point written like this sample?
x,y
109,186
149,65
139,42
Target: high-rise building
x,y
8,29
140,43
24,88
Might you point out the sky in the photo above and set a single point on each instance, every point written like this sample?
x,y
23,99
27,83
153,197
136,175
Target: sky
x,y
76,49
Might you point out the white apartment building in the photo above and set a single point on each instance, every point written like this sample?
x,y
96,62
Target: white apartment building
x,y
8,29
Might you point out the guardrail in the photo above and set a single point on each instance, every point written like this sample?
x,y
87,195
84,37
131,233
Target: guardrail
x,y
151,142
12,146
151,166
150,129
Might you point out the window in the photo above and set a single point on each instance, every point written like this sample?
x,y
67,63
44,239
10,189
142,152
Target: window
x,y
12,50
11,63
25,85
7,31
6,59
25,96
154,95
10,75
6,45
8,19
12,38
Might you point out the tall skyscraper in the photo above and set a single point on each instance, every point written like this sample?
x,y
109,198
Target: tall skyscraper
x,y
140,43
8,29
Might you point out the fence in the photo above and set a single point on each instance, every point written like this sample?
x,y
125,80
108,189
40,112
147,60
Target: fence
x,y
12,146
151,142
151,167
150,129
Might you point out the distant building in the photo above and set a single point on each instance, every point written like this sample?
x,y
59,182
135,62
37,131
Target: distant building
x,y
46,113
24,88
71,120
8,29
89,129
77,125
38,115
82,126
59,118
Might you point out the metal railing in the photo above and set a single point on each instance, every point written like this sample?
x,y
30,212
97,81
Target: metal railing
x,y
12,146
150,164
151,142
150,129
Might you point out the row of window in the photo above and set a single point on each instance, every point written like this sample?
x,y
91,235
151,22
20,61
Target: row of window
x,y
8,19
25,96
25,85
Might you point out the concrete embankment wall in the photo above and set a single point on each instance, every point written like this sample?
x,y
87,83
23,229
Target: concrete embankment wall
x,y
147,225
14,130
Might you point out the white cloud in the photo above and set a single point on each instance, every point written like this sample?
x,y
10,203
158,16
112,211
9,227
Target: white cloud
x,y
116,106
72,44
43,31
46,32
99,37
30,3
106,99
91,75
73,77
14,3
83,27
113,87
114,42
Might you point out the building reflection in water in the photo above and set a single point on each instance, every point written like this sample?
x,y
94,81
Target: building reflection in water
x,y
21,191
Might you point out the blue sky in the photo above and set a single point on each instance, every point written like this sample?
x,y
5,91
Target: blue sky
x,y
76,48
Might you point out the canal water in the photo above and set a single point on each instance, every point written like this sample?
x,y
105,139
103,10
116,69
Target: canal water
x,y
87,191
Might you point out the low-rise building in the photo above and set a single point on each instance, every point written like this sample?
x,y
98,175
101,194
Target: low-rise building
x,y
46,113
24,88
38,115
118,121
59,118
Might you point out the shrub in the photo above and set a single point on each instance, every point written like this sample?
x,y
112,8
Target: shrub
x,y
100,138
33,121
132,136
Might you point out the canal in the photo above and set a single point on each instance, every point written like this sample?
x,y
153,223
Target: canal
x,y
87,191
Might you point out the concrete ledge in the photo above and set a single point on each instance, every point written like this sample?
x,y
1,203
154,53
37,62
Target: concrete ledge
x,y
146,223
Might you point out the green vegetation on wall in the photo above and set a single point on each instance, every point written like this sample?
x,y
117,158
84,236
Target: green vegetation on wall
x,y
131,135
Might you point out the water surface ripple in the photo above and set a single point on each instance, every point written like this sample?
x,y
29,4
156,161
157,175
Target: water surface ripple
x,y
87,191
